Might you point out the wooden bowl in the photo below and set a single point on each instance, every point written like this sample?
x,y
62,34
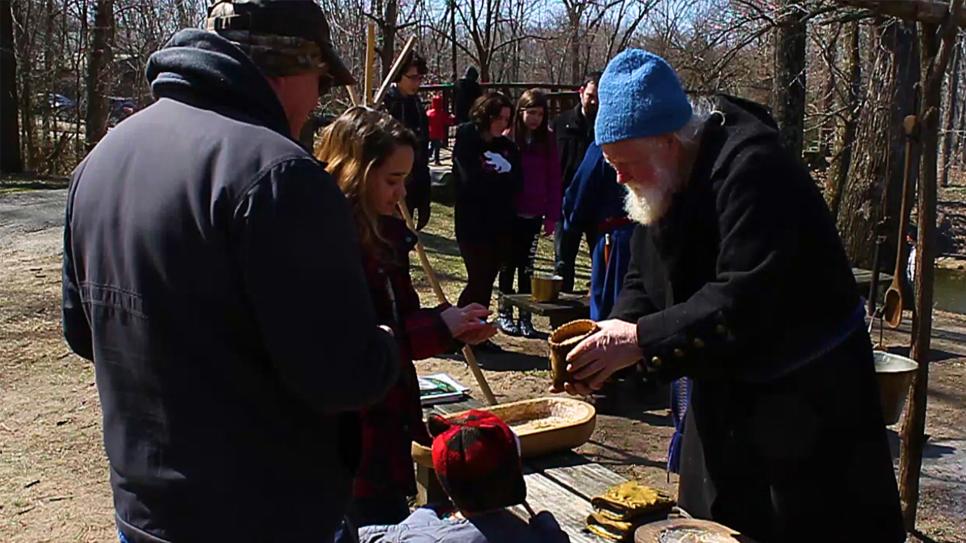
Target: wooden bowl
x,y
544,425
698,530
562,341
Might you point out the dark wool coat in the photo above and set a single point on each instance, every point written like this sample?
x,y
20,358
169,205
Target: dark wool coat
x,y
784,413
574,132
212,273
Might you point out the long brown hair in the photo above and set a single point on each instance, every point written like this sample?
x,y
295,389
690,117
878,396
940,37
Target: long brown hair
x,y
488,107
355,144
531,98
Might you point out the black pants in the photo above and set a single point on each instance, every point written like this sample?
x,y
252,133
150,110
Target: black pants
x,y
434,146
483,260
773,460
523,252
566,245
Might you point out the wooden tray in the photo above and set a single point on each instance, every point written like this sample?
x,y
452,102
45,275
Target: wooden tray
x,y
544,425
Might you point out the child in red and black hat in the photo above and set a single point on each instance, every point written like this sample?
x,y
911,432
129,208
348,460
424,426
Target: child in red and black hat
x,y
477,461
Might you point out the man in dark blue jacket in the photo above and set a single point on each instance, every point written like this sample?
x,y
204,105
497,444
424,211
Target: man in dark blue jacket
x,y
212,273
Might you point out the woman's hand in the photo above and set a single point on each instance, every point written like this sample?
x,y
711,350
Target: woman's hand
x,y
468,324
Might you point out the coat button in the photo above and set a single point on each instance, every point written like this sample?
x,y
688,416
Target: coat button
x,y
698,343
656,362
678,353
721,329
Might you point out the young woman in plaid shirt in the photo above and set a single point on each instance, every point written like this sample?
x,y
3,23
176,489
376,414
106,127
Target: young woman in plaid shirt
x,y
370,155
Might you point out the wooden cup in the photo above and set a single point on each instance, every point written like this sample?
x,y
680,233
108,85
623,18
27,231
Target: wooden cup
x,y
562,341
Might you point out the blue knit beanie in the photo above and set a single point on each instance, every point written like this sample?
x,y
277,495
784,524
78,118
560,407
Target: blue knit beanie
x,y
640,96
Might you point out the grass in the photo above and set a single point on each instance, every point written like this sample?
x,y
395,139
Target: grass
x,y
444,256
10,183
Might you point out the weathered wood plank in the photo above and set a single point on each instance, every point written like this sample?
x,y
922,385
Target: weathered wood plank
x,y
567,303
569,509
575,473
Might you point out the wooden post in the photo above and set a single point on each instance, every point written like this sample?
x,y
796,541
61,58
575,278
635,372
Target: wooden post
x,y
937,43
370,67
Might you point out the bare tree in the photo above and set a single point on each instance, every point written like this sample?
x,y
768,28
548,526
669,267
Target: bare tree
x,y
788,98
951,106
845,131
875,172
10,157
101,57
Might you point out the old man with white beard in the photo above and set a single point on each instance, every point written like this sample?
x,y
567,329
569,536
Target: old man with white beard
x,y
784,420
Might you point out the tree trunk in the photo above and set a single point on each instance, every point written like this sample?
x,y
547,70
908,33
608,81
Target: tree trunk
x,y
575,75
387,53
98,71
877,155
845,131
11,160
452,25
950,114
789,83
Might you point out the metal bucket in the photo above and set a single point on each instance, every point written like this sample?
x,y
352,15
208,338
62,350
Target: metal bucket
x,y
894,374
545,287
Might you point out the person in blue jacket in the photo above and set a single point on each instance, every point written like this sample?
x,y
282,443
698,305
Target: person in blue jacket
x,y
595,200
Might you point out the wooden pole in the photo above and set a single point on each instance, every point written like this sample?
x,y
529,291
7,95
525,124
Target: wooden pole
x,y
394,71
936,50
370,68
353,95
441,296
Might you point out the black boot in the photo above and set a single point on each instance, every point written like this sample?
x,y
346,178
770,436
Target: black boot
x,y
526,326
505,321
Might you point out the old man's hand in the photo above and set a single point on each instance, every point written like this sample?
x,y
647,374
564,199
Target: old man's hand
x,y
599,356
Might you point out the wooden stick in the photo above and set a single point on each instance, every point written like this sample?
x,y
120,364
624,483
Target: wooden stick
x,y
353,95
441,296
369,74
394,71
529,509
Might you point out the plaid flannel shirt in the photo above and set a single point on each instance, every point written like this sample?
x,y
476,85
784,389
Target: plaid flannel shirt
x,y
389,427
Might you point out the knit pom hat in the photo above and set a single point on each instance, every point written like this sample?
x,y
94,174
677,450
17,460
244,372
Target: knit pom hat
x,y
477,461
639,96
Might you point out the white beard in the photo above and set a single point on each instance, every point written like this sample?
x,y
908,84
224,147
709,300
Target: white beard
x,y
646,205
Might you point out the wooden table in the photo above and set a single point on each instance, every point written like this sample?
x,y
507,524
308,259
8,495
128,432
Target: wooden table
x,y
566,308
575,306
562,483
863,278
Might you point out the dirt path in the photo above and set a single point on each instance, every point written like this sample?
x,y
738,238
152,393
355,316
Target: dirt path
x,y
53,473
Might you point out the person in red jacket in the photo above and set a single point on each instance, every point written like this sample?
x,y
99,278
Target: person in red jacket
x,y
439,121
373,177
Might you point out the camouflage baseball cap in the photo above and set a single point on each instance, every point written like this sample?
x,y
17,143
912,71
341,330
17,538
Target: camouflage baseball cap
x,y
287,36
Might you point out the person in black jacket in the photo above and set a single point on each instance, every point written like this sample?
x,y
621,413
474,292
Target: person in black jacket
x,y
212,273
574,130
466,91
402,102
487,168
784,409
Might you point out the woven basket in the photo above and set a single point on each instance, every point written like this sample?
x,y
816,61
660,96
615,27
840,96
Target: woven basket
x,y
544,425
561,342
